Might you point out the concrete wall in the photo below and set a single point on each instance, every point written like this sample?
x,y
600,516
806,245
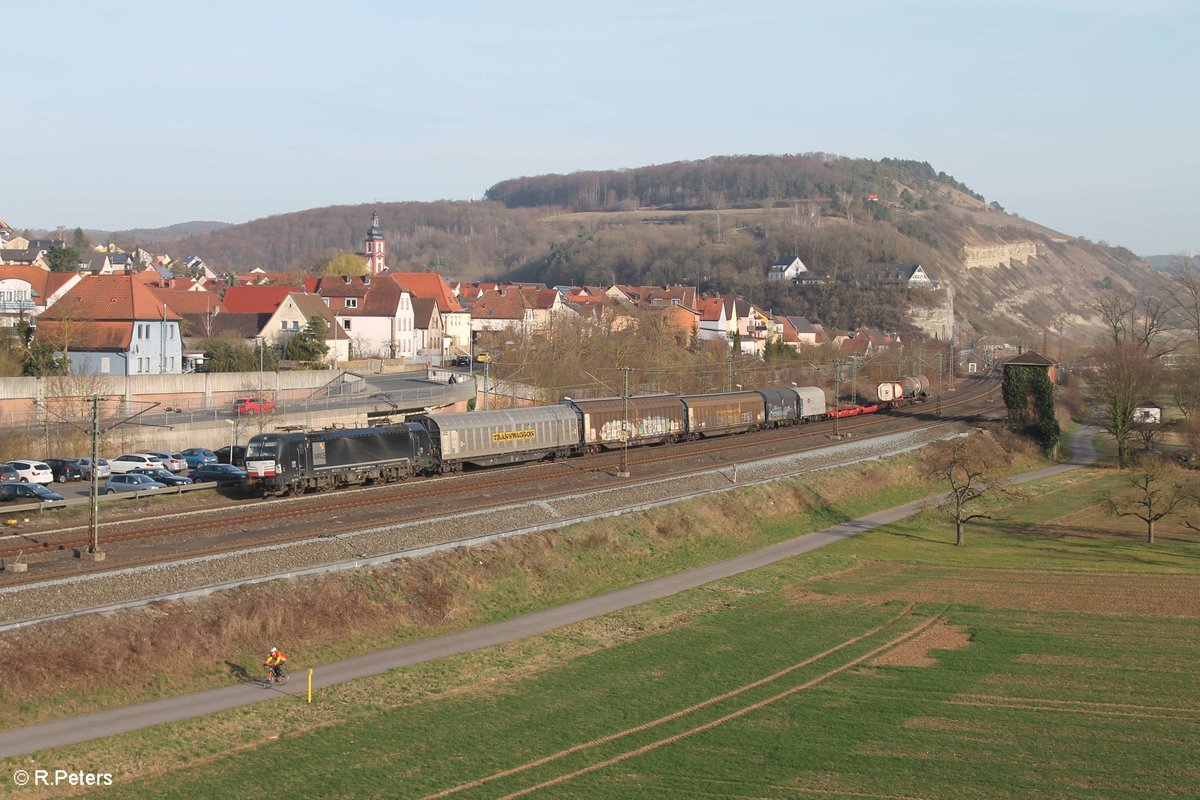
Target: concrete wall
x,y
23,400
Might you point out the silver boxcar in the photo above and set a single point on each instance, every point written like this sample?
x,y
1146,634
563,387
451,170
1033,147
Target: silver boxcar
x,y
812,402
505,436
729,412
652,418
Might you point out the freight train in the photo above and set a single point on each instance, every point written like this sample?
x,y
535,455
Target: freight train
x,y
431,444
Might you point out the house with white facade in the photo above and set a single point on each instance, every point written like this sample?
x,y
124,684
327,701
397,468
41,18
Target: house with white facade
x,y
788,268
113,325
375,313
25,291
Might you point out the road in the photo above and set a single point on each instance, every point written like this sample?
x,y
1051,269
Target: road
x,y
31,739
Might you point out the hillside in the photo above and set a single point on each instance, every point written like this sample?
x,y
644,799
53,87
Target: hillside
x,y
719,223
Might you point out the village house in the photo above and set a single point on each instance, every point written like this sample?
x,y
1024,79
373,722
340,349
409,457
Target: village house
x,y
788,268
113,325
26,291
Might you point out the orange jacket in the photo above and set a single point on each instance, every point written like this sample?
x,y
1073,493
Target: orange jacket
x,y
275,658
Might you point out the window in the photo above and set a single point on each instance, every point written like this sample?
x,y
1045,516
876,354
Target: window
x,y
283,324
295,324
351,302
346,324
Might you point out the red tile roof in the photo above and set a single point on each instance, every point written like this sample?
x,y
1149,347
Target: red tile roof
x,y
429,286
109,298
84,334
256,299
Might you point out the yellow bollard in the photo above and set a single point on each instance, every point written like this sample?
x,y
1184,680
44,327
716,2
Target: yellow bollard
x,y
310,685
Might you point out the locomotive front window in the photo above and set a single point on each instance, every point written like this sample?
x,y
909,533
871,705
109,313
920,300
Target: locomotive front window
x,y
262,448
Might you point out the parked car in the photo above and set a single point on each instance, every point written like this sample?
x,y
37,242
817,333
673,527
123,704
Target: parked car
x,y
33,471
235,455
8,474
198,457
129,482
65,469
172,462
483,358
460,361
161,475
130,461
244,406
27,493
221,473
85,463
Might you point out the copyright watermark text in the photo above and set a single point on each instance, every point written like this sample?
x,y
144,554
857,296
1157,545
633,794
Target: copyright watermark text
x,y
61,777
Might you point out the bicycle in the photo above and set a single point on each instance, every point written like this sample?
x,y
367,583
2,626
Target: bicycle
x,y
276,676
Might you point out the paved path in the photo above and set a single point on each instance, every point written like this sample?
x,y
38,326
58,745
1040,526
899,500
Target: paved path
x,y
84,728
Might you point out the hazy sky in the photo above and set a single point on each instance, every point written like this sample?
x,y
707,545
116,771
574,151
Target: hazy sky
x,y
1078,114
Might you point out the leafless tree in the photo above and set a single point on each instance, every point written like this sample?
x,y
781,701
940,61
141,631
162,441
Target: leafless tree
x,y
974,467
1144,322
1156,491
1182,381
1183,290
1123,375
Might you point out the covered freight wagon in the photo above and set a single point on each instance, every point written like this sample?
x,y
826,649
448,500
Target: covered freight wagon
x,y
505,436
652,418
729,412
811,403
782,406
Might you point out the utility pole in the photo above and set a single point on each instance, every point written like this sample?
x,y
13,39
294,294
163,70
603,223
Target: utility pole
x,y
729,378
623,472
93,551
837,377
940,385
486,370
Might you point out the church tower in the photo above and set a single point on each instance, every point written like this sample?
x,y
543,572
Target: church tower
x,y
374,248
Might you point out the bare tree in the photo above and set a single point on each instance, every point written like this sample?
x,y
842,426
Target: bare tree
x,y
1183,290
1123,374
1144,323
973,466
1182,380
1156,491
1116,313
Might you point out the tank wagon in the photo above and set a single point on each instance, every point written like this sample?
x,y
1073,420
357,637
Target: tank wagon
x,y
505,436
890,392
294,462
652,419
916,387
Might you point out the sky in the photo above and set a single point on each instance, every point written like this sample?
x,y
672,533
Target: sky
x,y
1081,115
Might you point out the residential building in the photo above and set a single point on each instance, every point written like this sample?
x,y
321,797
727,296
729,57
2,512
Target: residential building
x,y
788,268
113,325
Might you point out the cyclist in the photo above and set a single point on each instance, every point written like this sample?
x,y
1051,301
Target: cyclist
x,y
274,663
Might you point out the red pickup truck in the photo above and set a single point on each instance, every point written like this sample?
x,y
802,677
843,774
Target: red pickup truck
x,y
245,406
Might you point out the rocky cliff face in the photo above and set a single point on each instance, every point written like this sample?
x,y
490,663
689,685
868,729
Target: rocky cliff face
x,y
1013,275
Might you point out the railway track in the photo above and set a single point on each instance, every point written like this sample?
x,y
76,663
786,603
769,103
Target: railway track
x,y
213,531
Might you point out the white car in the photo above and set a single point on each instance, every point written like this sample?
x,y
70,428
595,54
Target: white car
x,y
33,471
174,462
131,461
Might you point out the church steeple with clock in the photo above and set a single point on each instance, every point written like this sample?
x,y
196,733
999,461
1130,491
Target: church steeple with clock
x,y
374,248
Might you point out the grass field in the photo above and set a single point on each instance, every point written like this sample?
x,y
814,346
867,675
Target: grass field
x,y
1053,656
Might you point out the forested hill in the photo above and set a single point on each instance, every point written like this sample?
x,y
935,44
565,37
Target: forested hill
x,y
724,182
719,223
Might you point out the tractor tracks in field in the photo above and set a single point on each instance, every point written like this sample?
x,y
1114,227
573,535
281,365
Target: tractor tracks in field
x,y
893,643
